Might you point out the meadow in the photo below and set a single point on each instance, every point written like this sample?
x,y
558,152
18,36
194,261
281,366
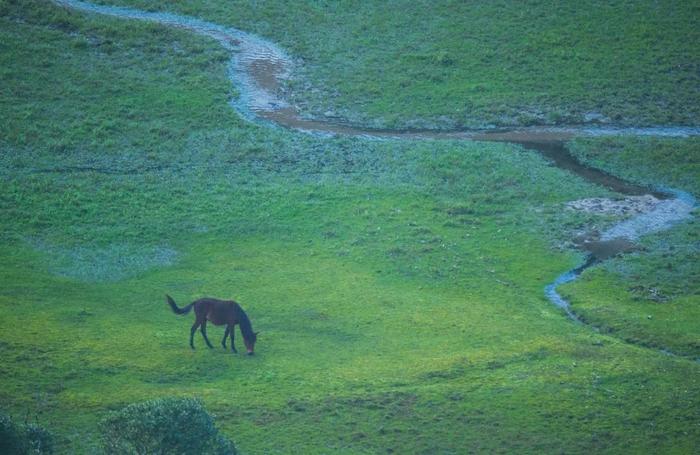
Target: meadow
x,y
455,64
397,285
650,296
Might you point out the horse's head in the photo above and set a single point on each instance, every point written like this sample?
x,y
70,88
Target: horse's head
x,y
250,342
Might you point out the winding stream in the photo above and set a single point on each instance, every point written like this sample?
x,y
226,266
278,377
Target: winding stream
x,y
258,67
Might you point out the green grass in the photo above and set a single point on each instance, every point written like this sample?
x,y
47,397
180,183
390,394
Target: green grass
x,y
448,64
398,286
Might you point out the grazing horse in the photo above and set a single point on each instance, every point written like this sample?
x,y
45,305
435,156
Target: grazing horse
x,y
219,312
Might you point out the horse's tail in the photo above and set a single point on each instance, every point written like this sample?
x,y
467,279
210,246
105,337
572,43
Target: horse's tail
x,y
176,310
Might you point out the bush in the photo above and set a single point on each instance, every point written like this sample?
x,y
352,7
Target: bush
x,y
38,439
169,425
10,441
23,439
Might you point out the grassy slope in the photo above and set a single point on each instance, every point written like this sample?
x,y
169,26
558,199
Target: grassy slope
x,y
398,286
454,64
651,297
658,161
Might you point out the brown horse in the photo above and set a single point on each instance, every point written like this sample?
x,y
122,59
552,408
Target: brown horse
x,y
219,312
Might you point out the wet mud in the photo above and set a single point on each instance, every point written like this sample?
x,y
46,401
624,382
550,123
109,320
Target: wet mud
x,y
258,68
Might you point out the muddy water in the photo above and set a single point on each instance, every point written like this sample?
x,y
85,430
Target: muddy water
x,y
258,69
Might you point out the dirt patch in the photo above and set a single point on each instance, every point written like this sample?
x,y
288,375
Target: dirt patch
x,y
604,249
640,215
628,206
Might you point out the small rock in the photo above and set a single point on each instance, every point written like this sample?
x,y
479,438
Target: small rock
x,y
595,117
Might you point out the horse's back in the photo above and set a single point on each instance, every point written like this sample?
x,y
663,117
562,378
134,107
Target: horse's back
x,y
218,311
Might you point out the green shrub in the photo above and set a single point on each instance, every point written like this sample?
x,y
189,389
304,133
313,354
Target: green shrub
x,y
169,425
23,439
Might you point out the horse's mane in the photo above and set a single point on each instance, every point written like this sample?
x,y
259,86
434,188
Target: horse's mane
x,y
245,325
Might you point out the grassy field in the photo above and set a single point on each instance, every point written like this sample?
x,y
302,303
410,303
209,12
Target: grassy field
x,y
398,286
452,64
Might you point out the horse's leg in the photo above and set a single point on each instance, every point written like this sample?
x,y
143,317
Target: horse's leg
x,y
230,330
223,342
203,328
194,329
199,318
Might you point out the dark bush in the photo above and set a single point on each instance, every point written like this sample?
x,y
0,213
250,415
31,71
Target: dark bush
x,y
38,439
23,439
164,426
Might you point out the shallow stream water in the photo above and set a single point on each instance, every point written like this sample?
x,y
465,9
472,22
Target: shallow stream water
x,y
258,68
